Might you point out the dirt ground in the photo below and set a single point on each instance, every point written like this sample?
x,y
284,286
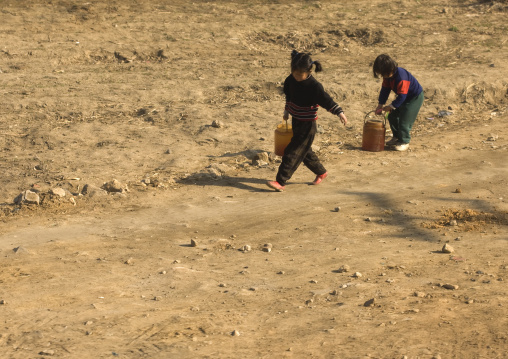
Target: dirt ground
x,y
175,100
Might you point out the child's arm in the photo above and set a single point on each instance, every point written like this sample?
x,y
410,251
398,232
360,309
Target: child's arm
x,y
325,101
383,96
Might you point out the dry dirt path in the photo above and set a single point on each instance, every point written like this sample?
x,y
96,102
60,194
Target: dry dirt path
x,y
127,283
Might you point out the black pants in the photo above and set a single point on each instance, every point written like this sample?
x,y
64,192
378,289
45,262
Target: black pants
x,y
300,150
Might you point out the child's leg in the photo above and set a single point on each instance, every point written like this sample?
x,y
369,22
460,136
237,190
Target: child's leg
x,y
393,120
407,117
296,150
311,160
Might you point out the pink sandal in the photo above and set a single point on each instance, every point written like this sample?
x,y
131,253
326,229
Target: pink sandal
x,y
320,178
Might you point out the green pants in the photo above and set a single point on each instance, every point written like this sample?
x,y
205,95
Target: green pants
x,y
402,119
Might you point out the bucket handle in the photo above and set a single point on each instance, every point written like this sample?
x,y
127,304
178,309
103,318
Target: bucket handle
x,y
374,111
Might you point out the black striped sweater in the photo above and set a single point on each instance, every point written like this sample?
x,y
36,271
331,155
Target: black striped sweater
x,y
303,99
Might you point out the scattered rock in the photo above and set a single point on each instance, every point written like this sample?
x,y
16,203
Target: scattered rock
x,y
93,191
217,124
47,352
343,269
447,248
193,243
419,294
267,247
2,302
28,197
458,190
115,186
450,286
21,250
336,209
261,157
129,261
370,303
60,192
357,275
492,137
453,223
313,281
235,333
246,248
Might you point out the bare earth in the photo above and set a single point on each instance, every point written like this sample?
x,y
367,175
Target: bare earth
x,y
129,90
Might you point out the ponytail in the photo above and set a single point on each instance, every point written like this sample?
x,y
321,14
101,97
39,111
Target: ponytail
x,y
319,68
301,61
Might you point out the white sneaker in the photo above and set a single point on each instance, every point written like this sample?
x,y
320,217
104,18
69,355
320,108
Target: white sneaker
x,y
401,146
392,142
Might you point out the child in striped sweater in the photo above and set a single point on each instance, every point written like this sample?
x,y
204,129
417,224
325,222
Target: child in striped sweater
x,y
304,96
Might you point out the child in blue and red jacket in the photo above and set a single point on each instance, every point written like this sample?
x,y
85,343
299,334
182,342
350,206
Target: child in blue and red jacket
x,y
304,96
404,109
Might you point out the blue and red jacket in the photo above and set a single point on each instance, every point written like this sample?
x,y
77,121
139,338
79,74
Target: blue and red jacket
x,y
403,84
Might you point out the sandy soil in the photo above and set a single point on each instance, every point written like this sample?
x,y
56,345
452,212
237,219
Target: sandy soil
x,y
129,90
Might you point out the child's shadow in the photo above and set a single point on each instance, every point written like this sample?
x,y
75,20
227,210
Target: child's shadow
x,y
245,183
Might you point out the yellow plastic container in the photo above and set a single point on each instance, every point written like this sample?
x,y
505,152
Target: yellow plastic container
x,y
283,135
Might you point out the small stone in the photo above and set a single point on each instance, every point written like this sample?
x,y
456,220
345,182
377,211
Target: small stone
x,y
115,186
246,248
222,285
129,261
157,298
313,281
390,281
267,247
447,248
93,191
453,223
217,124
47,352
357,275
235,333
27,196
419,294
458,190
370,303
21,250
261,157
281,272
193,243
60,192
336,209
450,286
3,302
343,269
368,219
492,137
